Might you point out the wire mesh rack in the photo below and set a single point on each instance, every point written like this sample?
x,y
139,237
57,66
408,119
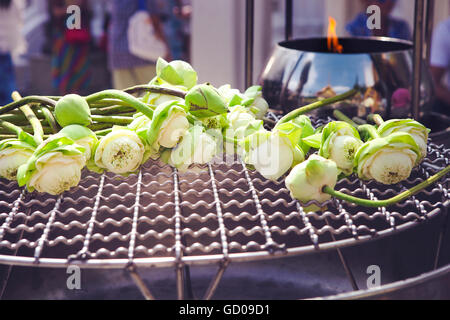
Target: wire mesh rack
x,y
213,214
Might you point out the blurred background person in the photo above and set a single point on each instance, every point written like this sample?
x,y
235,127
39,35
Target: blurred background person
x,y
12,44
171,15
36,16
390,26
127,69
70,48
440,66
183,11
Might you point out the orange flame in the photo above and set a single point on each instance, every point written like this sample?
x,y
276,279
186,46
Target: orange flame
x,y
332,39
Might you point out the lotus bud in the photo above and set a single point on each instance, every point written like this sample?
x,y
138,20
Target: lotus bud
x,y
417,131
340,142
196,147
13,154
54,167
388,160
81,136
307,180
168,126
72,109
120,152
205,101
258,104
178,73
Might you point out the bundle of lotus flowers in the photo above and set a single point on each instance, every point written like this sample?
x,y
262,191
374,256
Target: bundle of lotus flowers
x,y
46,142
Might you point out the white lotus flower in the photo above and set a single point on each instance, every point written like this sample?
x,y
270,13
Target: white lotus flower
x,y
56,172
120,152
343,150
388,160
418,131
168,126
11,159
340,142
307,180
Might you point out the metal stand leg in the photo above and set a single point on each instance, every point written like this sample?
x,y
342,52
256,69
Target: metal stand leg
x,y
215,282
132,270
441,238
249,41
344,262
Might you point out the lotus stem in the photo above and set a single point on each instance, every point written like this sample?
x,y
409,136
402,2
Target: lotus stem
x,y
31,117
123,96
113,109
112,119
27,100
107,103
156,89
303,110
7,136
50,119
391,201
359,121
11,127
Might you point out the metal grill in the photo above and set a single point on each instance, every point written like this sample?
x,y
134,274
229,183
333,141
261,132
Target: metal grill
x,y
217,213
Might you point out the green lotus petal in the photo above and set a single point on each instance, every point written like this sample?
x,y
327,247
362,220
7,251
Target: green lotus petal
x,y
253,92
77,132
389,126
313,141
205,101
299,155
291,131
161,114
15,143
